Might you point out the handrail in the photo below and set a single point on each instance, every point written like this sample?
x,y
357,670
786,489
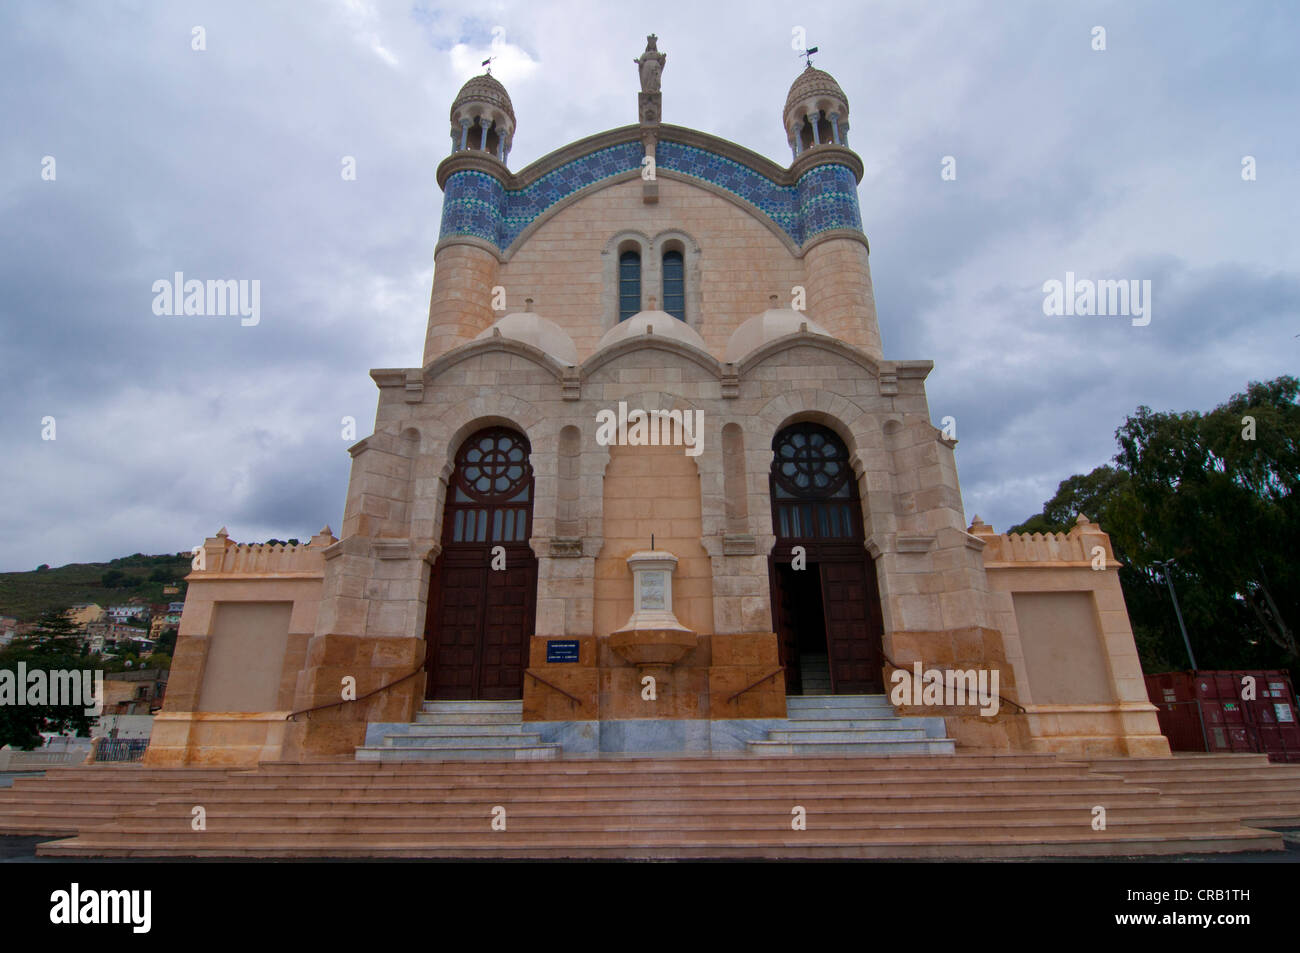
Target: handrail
x,y
573,698
293,715
1020,708
775,671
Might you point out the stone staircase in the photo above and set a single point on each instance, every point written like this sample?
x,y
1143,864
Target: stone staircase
x,y
815,674
851,725
955,806
457,731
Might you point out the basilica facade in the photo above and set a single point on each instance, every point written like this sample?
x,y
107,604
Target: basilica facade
x,y
653,485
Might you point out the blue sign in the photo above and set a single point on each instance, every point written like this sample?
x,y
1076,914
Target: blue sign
x,y
561,650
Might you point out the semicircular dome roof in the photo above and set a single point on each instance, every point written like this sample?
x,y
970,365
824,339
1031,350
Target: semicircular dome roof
x,y
540,332
813,82
768,326
663,325
484,89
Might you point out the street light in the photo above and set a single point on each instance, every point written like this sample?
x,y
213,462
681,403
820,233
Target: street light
x,y
1164,569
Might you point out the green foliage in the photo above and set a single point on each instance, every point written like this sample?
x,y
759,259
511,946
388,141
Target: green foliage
x,y
1196,489
26,595
55,645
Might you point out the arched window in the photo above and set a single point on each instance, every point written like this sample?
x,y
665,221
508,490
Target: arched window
x,y
490,498
675,285
814,495
629,284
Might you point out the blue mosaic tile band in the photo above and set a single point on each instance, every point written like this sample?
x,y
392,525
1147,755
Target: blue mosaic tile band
x,y
826,197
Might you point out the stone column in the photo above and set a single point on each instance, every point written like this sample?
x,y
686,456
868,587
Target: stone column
x,y
813,118
464,132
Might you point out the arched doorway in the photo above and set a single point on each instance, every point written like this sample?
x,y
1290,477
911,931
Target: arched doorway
x,y
826,615
480,618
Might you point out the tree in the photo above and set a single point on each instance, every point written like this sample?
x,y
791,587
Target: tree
x,y
1215,493
54,645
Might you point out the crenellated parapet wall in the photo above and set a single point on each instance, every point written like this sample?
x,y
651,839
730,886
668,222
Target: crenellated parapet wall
x,y
222,556
250,610
1057,600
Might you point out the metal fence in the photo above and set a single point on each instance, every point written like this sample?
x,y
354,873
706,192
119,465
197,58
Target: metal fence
x,y
121,749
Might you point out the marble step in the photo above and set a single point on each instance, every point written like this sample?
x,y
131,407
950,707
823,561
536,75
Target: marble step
x,y
538,752
807,735
517,707
873,747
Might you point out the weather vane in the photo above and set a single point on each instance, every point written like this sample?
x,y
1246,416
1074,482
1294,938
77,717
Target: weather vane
x,y
488,63
807,55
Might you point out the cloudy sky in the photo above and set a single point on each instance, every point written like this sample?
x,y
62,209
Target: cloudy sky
x,y
226,162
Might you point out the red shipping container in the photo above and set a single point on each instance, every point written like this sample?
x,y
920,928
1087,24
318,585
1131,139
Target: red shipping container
x,y
1223,711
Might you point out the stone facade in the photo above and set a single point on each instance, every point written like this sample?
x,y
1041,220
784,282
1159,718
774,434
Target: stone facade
x,y
779,327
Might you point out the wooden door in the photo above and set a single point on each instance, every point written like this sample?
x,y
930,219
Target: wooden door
x,y
480,619
853,627
785,625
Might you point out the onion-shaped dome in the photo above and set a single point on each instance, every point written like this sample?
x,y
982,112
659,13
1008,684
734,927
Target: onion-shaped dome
x,y
659,323
483,91
815,91
540,332
483,118
768,326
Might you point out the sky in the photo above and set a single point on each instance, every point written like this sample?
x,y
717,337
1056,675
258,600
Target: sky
x,y
127,155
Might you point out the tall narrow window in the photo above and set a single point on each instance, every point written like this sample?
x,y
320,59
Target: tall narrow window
x,y
629,284
674,285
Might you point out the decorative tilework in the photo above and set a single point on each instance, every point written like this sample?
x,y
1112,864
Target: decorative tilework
x,y
477,204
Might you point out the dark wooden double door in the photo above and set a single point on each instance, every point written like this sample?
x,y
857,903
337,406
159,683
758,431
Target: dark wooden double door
x,y
829,608
480,622
482,605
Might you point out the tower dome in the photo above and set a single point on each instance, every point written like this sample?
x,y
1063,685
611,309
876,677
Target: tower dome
x,y
483,118
816,111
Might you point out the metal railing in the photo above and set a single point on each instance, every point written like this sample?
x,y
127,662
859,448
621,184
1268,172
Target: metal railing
x,y
574,699
776,671
121,749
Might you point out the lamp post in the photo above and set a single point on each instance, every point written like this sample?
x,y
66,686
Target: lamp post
x,y
1164,569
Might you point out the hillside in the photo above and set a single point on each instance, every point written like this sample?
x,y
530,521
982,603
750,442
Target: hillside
x,y
26,595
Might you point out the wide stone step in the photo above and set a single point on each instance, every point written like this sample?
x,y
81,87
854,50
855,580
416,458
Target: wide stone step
x,y
517,707
442,728
147,830
841,711
902,844
856,724
882,804
804,735
799,702
490,740
867,748
481,752
467,718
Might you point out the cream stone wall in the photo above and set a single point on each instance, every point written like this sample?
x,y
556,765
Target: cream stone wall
x,y
247,646
562,264
1057,600
257,605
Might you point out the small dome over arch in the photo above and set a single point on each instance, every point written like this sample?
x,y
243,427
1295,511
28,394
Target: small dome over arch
x,y
771,324
659,323
540,332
